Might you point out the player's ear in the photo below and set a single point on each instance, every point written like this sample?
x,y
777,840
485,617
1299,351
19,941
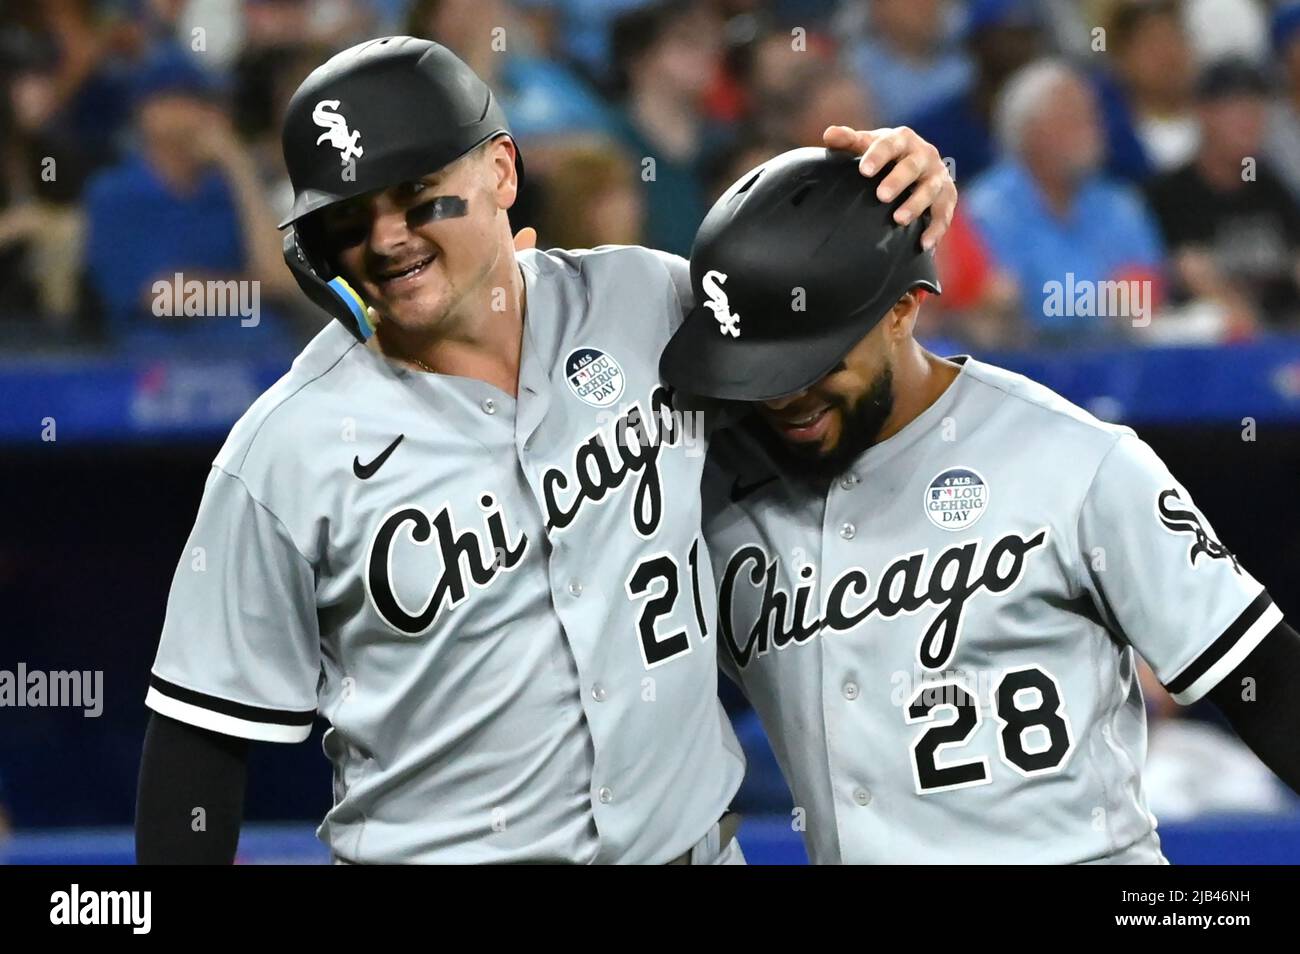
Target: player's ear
x,y
505,174
902,317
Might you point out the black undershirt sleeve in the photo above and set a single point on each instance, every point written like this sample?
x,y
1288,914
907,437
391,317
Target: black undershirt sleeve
x,y
184,769
1261,699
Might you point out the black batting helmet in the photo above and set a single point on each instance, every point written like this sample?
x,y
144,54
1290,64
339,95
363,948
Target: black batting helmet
x,y
792,266
382,112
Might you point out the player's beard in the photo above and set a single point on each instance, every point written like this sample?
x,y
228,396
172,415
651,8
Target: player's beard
x,y
860,426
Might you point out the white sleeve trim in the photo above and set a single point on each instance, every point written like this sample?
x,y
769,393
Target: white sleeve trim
x,y
1232,658
225,724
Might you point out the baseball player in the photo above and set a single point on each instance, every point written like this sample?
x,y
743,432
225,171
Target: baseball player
x,y
464,528
934,574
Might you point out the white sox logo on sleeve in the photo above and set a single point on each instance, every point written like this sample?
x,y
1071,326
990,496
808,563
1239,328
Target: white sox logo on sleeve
x,y
1185,520
904,588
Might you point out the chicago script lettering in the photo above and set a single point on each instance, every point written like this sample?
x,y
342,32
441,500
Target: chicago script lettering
x,y
904,588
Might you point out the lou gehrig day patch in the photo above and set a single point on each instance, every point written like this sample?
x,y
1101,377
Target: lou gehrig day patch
x,y
594,376
956,499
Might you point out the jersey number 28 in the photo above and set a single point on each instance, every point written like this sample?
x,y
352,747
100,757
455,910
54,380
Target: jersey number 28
x,y
1034,735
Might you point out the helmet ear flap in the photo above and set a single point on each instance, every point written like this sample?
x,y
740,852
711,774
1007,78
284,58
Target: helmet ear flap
x,y
333,294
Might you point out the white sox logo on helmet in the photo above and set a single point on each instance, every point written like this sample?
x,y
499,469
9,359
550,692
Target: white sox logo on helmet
x,y
728,321
336,133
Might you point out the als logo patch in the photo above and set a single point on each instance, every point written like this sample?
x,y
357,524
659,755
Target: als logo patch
x,y
594,376
1183,519
956,499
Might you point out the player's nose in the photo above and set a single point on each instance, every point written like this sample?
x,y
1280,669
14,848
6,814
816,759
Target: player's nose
x,y
389,233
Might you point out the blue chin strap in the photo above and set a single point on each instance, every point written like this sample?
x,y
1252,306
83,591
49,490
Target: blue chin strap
x,y
335,295
360,316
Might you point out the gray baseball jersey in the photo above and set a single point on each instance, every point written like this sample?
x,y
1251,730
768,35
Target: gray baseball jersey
x,y
501,605
941,645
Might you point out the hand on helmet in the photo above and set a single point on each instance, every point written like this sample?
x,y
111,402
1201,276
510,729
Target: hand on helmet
x,y
915,161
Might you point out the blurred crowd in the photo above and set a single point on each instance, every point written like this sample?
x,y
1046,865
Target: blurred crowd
x,y
1129,169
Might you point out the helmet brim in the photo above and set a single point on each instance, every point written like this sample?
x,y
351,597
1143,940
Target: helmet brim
x,y
402,169
701,361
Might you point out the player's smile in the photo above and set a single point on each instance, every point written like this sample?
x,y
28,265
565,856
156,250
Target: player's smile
x,y
803,427
401,278
812,420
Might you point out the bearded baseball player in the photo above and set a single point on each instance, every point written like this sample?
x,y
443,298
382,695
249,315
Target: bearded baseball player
x,y
464,528
934,575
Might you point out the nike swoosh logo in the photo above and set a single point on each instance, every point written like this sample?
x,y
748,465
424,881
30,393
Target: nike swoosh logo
x,y
739,493
366,471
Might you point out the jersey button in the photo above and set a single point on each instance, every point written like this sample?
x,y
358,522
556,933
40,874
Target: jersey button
x,y
850,691
598,693
848,531
489,406
575,588
849,481
862,796
606,794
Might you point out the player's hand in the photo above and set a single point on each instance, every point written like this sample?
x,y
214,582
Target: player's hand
x,y
525,238
915,161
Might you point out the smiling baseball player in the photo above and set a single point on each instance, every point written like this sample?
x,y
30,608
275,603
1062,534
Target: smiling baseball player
x,y
934,574
464,528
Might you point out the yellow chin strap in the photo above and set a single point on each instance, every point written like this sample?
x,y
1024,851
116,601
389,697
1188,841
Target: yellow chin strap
x,y
365,317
